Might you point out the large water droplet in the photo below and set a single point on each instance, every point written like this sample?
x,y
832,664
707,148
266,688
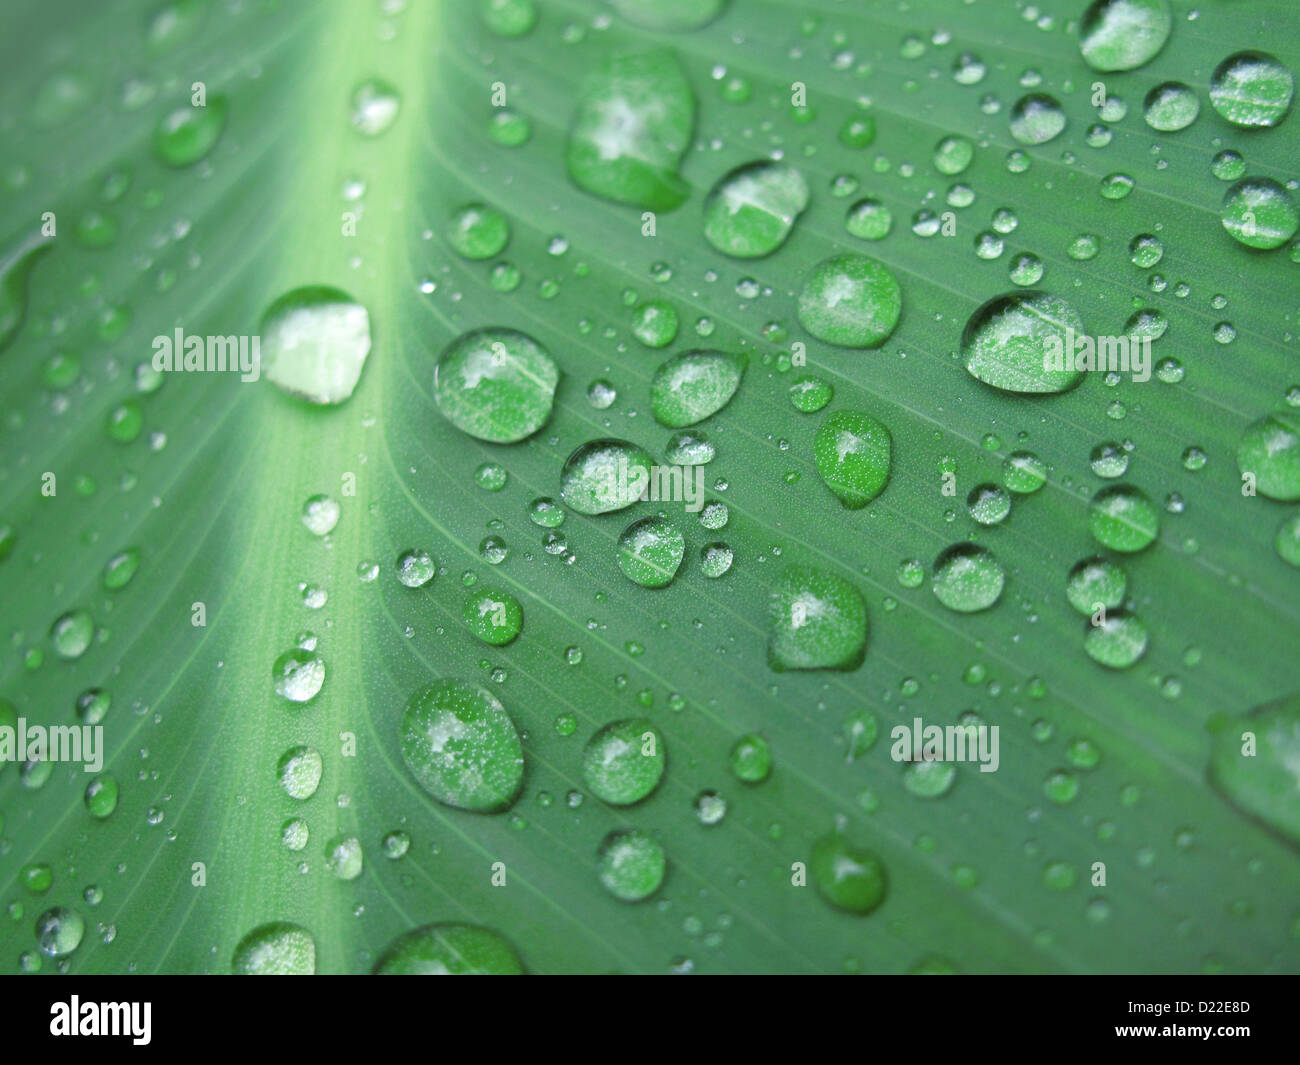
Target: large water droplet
x,y
1123,34
275,949
631,865
968,578
624,761
298,675
494,616
1270,451
1255,763
1011,343
694,385
59,931
1123,518
316,340
850,877
374,107
1252,90
604,475
632,125
450,950
299,771
496,384
851,301
819,621
1117,640
1037,118
15,265
852,450
750,212
1260,213
461,746
186,135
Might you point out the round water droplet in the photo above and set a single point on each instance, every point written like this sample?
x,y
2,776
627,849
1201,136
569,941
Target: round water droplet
x,y
694,385
275,949
497,385
605,475
989,504
1260,213
1170,106
1023,472
1263,783
1037,118
631,865
850,877
1123,518
1018,343
59,932
750,212
1270,452
624,761
298,675
450,950
929,780
101,797
509,18
320,514
1118,641
850,301
810,394
819,621
1095,582
315,341
654,323
546,512
1124,34
715,559
494,616
852,451
461,746
415,568
967,578
478,232
869,220
343,857
690,448
1252,90
953,154
632,125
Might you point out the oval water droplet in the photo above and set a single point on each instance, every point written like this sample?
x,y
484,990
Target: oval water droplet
x,y
852,451
187,134
604,475
650,552
275,949
968,578
631,865
1260,773
1252,90
1018,343
624,761
849,877
750,212
693,386
450,950
1124,34
1123,518
1270,452
462,748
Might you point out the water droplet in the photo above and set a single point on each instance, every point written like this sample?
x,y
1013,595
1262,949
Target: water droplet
x,y
850,301
1270,450
852,451
750,212
1094,582
187,134
298,675
1023,472
1118,641
1123,518
715,559
631,865
1262,783
810,394
1037,118
1260,213
1011,341
819,621
850,877
1170,106
71,633
650,552
751,759
478,232
299,771
988,504
694,385
1252,90
375,104
967,578
59,931
101,797
320,514
275,949
1124,34
624,761
632,125
450,950
604,475
494,616
496,385
316,341
869,220
462,748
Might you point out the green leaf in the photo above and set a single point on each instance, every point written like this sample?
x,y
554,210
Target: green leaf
x,y
320,754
